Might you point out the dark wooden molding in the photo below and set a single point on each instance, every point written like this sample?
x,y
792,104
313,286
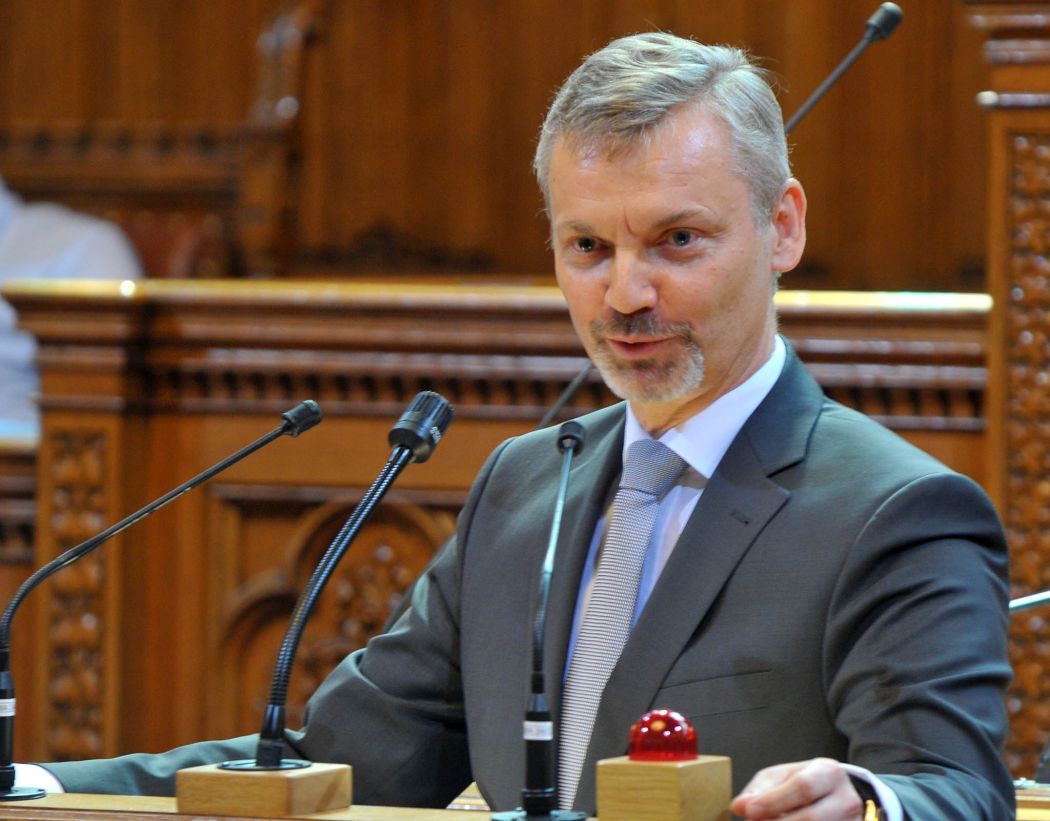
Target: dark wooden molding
x,y
496,352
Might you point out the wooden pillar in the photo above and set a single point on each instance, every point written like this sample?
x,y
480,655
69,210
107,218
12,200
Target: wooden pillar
x,y
1017,52
86,464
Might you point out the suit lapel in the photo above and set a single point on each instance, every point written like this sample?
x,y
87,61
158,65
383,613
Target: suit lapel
x,y
737,503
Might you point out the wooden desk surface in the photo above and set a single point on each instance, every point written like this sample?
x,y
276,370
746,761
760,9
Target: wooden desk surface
x,y
70,806
1033,804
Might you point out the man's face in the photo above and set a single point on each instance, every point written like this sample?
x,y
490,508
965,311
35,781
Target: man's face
x,y
668,278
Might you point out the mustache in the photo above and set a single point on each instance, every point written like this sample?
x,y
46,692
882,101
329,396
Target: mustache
x,y
642,323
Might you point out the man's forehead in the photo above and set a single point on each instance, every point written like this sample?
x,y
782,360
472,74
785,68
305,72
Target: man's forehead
x,y
697,125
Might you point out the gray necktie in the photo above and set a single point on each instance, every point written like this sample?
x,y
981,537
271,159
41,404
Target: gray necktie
x,y
650,470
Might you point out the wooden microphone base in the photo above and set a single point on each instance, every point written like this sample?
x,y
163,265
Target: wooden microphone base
x,y
697,790
209,790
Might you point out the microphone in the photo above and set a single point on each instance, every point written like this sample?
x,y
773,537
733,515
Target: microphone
x,y
539,796
566,395
295,421
413,437
885,19
879,26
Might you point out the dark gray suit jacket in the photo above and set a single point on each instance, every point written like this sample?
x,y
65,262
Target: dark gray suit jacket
x,y
836,592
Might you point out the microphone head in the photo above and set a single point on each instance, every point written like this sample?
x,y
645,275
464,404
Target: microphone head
x,y
302,417
885,19
570,436
422,425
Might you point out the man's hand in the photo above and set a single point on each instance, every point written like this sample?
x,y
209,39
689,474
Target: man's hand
x,y
814,790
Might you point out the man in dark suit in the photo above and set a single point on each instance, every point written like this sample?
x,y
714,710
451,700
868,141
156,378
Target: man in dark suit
x,y
825,602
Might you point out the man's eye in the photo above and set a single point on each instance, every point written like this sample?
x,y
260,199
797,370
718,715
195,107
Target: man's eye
x,y
586,244
681,238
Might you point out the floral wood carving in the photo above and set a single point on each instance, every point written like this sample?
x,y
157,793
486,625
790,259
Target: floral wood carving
x,y
75,617
366,588
1027,441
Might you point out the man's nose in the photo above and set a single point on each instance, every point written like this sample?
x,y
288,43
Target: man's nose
x,y
632,284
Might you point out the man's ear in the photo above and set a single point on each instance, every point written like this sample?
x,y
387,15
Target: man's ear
x,y
789,225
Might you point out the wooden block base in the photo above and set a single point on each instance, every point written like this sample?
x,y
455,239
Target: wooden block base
x,y
698,790
209,790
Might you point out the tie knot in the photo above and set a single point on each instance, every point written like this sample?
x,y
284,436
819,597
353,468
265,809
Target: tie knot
x,y
651,467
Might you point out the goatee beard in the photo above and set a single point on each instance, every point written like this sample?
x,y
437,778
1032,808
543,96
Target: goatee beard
x,y
652,380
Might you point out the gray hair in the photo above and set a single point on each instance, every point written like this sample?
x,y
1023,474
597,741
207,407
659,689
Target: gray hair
x,y
622,92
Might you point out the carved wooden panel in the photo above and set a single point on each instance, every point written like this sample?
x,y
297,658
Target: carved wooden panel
x,y
1025,364
1017,51
76,617
367,586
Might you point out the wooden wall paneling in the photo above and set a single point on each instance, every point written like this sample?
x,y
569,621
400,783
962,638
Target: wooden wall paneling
x,y
887,113
17,528
374,76
196,198
472,120
17,508
1020,460
81,617
1017,50
91,454
271,159
420,118
368,584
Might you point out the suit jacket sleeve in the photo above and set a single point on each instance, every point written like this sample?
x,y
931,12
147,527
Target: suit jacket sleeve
x,y
916,650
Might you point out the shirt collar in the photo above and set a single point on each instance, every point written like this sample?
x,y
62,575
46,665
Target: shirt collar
x,y
703,439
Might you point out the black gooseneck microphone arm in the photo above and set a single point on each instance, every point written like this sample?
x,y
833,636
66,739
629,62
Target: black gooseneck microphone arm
x,y
413,437
566,395
540,796
295,421
879,26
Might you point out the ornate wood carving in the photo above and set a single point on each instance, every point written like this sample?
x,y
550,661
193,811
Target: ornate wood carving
x,y
391,550
1026,440
1017,50
76,615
